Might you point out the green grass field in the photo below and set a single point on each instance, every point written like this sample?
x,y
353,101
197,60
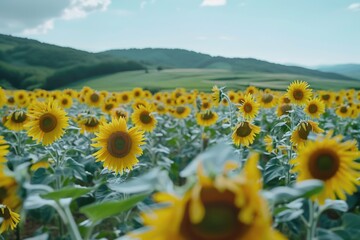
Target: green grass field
x,y
204,79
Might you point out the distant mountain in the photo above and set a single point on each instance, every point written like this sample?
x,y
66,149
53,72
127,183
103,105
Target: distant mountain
x,y
179,58
26,63
350,70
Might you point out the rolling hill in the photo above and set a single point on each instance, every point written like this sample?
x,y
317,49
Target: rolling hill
x,y
350,70
29,64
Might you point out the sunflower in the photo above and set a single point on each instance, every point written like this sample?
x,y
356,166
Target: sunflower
x,y
120,113
216,95
8,190
205,105
181,111
249,107
343,111
225,102
137,92
10,101
90,124
124,97
217,208
65,101
16,120
299,92
3,149
21,97
327,97
161,109
314,108
244,133
10,219
251,90
108,106
300,135
267,100
206,118
329,160
2,97
232,96
94,99
283,109
140,102
269,143
119,146
47,122
143,118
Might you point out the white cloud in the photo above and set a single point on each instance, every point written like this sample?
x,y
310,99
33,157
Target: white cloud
x,y
40,29
354,7
213,3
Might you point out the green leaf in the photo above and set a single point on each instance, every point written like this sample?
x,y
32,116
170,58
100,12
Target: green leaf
x,y
309,187
68,192
99,211
339,205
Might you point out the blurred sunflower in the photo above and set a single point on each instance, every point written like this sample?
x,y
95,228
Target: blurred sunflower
x,y
137,92
108,106
47,122
314,108
205,105
251,90
90,124
94,99
161,109
21,98
65,101
343,111
3,149
140,103
302,131
10,219
125,97
327,97
10,101
16,120
216,95
283,109
8,190
118,145
269,143
249,107
206,118
217,208
245,133
143,118
120,113
181,111
299,92
267,100
329,160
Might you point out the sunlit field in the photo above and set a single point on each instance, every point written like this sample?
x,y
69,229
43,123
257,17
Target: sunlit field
x,y
210,163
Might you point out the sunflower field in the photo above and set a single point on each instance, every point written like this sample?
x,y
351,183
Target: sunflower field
x,y
179,165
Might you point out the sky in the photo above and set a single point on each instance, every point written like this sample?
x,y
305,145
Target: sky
x,y
299,32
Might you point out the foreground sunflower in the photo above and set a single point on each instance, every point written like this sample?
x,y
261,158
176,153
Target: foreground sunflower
x,y
299,92
206,118
16,120
217,208
249,107
314,108
118,145
332,161
3,149
300,135
10,219
143,118
245,133
47,122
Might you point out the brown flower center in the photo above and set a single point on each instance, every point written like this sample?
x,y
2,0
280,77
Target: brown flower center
x,y
267,98
94,97
205,105
324,164
137,93
18,118
285,108
313,108
5,213
248,107
64,101
145,117
207,116
343,109
298,94
119,144
325,97
286,100
243,130
125,97
11,100
180,110
47,122
109,106
304,130
92,122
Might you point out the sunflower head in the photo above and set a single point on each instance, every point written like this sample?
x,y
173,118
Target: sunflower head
x,y
206,118
267,100
181,111
249,107
301,133
16,120
216,95
143,118
314,108
299,92
327,159
244,133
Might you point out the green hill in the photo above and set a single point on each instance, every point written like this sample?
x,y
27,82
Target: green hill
x,y
26,63
350,70
179,58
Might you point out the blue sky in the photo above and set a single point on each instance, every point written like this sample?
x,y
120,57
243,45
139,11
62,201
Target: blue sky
x,y
304,32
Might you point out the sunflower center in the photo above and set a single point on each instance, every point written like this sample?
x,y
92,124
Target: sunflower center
x,y
207,115
47,122
92,122
205,105
94,97
145,117
125,97
343,109
21,96
18,118
11,100
286,100
267,98
180,110
3,194
304,130
243,130
248,107
137,93
109,106
64,101
5,213
324,164
119,144
313,108
325,97
298,94
285,108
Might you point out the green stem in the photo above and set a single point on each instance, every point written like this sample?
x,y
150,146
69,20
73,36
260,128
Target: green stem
x,y
313,217
71,224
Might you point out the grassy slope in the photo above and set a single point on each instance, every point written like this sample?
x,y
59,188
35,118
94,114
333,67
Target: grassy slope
x,y
350,70
204,79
